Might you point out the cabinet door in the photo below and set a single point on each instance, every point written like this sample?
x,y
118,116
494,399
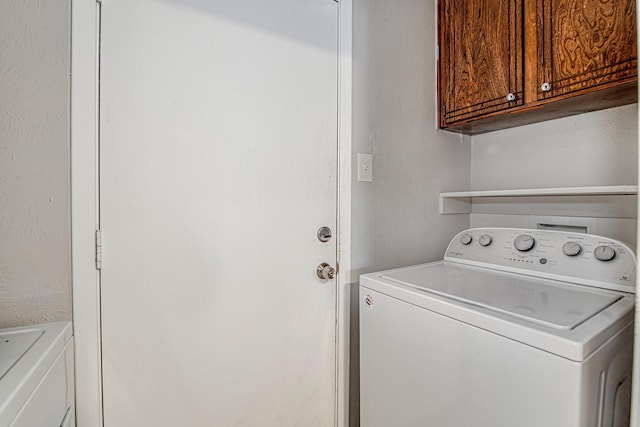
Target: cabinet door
x,y
481,59
584,45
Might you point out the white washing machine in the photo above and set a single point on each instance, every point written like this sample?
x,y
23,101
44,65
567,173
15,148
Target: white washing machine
x,y
514,328
36,376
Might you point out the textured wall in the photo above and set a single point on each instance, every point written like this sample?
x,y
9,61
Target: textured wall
x,y
35,283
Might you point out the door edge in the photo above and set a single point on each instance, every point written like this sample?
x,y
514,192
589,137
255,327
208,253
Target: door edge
x,y
85,25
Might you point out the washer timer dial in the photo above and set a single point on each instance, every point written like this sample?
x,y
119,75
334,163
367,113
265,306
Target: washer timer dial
x,y
604,253
571,249
524,242
484,240
466,238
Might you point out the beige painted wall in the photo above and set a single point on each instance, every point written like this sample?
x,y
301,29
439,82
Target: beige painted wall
x,y
35,282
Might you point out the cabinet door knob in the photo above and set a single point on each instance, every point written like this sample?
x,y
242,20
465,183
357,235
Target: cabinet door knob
x,y
545,87
511,96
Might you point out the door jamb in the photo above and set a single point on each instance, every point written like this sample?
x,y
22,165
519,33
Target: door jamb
x,y
85,27
343,288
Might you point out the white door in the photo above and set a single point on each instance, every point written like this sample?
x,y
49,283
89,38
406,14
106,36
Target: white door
x,y
217,167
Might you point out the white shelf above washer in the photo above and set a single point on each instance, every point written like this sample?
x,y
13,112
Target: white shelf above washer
x,y
461,201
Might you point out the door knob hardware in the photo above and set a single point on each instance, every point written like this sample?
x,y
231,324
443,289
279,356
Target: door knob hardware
x,y
545,87
326,272
511,97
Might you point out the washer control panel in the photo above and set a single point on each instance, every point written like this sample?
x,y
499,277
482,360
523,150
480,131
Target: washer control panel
x,y
574,257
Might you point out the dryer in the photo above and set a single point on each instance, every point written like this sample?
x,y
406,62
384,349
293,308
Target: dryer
x,y
36,376
513,328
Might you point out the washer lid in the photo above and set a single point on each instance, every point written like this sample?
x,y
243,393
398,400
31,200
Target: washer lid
x,y
545,302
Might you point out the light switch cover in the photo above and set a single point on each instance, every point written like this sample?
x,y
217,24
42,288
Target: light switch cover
x,y
365,167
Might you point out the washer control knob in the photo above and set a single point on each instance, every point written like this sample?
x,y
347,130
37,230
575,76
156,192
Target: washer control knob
x,y
466,238
485,240
571,249
604,253
524,242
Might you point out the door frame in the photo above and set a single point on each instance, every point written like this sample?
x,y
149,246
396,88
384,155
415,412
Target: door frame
x,y
85,47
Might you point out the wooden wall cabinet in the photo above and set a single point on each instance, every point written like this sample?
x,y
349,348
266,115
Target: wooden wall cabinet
x,y
482,70
506,63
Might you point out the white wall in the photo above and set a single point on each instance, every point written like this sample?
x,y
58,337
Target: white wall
x,y
35,284
597,148
395,218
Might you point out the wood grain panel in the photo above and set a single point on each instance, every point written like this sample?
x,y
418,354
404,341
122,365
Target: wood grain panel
x,y
585,44
481,57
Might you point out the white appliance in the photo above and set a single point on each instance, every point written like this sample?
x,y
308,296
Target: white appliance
x,y
36,376
514,328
